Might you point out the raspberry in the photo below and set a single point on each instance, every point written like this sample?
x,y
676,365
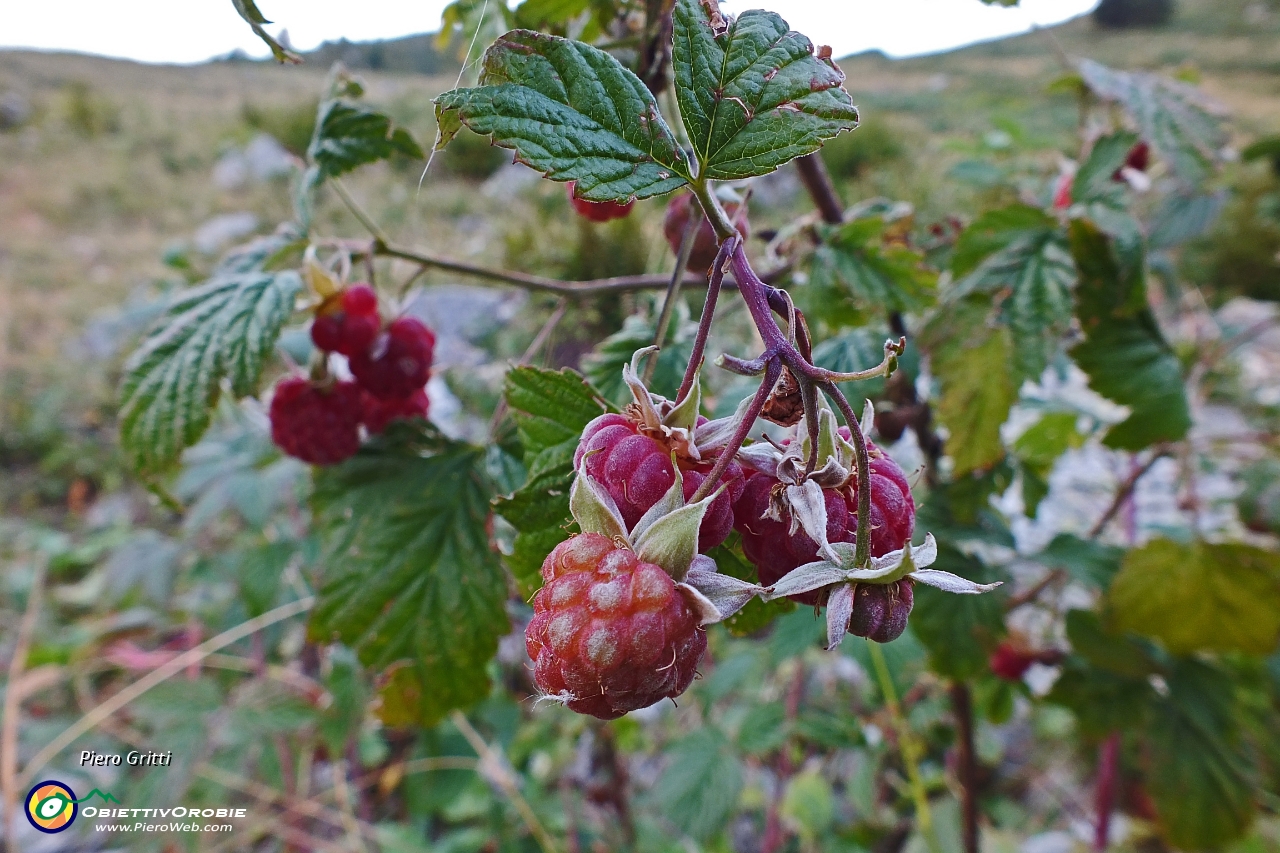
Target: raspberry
x,y
880,610
349,323
398,363
636,471
610,633
1139,158
316,424
377,413
1010,662
599,211
705,244
775,551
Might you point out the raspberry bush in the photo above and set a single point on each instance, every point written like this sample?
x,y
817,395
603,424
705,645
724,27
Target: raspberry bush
x,y
806,541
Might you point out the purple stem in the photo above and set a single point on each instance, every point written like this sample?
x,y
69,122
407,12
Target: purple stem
x,y
708,314
771,373
862,544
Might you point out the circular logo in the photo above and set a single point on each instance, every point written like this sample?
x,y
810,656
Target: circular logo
x,y
51,806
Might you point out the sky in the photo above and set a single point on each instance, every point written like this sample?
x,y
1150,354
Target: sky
x,y
186,31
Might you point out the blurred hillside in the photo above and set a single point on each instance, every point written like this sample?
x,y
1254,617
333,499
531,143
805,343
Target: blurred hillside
x,y
121,179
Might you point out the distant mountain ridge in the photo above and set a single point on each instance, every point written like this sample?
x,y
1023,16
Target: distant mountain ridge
x,y
413,54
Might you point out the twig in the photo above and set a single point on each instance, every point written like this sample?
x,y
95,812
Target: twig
x,y
539,340
13,702
494,768
158,676
967,770
673,292
359,212
342,792
817,180
1033,593
708,314
1108,762
1126,489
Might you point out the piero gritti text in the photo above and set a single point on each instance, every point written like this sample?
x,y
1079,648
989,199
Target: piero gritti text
x,y
89,758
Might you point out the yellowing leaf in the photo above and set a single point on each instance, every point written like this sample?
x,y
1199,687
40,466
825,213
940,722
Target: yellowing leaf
x,y
1200,597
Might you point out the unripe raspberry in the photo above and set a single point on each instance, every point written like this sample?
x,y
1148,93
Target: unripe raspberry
x,y
1062,192
880,610
598,211
376,413
636,471
316,424
705,244
1011,662
775,550
398,363
610,634
349,322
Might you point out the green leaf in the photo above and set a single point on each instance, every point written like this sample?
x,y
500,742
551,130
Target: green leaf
x,y
538,14
1102,701
259,572
411,576
1124,353
1094,181
1184,216
1086,560
550,409
572,112
224,328
700,787
854,262
604,364
961,511
1018,257
757,614
1172,117
248,10
1200,774
752,93
1038,449
1199,597
808,805
349,136
971,361
959,631
1122,655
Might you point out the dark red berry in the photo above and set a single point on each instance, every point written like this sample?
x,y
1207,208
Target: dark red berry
x,y
774,550
1139,158
880,610
399,361
599,211
636,470
316,424
377,413
705,244
1011,662
349,322
610,634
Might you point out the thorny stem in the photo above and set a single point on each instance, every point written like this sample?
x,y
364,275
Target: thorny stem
x,y
1108,762
862,542
906,743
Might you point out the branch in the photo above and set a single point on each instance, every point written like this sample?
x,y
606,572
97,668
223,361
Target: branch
x,y
817,180
967,770
1126,489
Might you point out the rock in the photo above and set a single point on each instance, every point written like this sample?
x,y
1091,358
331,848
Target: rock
x,y
216,233
14,110
266,158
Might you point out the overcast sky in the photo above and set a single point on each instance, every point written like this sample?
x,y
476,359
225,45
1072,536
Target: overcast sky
x,y
195,30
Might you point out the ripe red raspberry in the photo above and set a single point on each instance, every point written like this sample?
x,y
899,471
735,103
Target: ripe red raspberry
x,y
610,634
599,211
1010,662
348,323
775,551
316,424
636,471
377,413
398,363
705,244
880,610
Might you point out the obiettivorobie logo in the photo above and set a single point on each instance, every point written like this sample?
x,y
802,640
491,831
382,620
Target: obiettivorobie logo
x,y
52,806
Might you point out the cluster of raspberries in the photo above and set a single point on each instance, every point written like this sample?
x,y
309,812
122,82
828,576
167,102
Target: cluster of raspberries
x,y
611,634
319,422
